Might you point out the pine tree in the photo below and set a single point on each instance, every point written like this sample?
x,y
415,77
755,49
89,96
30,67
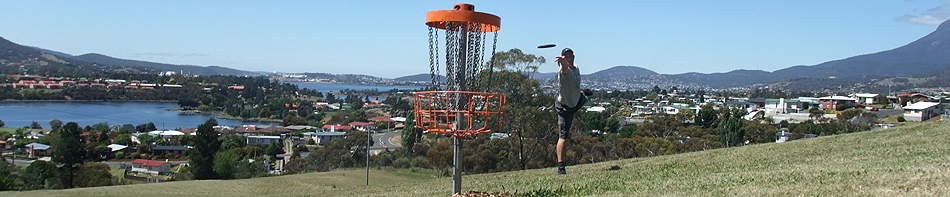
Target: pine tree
x,y
202,155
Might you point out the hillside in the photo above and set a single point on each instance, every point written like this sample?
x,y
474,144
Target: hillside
x,y
188,69
910,160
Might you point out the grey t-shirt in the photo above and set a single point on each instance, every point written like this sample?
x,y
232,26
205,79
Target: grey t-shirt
x,y
570,87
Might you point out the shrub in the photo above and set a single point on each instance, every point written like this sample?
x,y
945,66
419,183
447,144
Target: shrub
x,y
402,162
901,119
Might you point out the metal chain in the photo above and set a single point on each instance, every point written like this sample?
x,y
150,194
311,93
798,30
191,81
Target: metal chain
x,y
491,65
432,57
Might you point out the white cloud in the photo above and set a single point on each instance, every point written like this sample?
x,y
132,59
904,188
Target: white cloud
x,y
933,16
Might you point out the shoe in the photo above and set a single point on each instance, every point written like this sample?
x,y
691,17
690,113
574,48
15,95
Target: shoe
x,y
561,171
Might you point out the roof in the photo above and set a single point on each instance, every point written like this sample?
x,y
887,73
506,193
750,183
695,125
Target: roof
x,y
151,163
360,124
37,146
263,136
738,103
337,127
837,98
921,105
299,127
779,100
166,133
330,134
757,100
116,147
381,118
170,148
865,95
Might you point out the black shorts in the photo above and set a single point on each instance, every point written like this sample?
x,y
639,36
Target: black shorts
x,y
565,116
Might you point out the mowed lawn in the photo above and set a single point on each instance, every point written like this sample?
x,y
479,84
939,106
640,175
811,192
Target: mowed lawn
x,y
913,160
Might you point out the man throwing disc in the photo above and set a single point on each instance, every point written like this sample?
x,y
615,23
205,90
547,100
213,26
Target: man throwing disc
x,y
569,100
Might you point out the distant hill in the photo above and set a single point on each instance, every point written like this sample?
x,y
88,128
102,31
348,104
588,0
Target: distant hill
x,y
622,71
207,70
417,78
19,59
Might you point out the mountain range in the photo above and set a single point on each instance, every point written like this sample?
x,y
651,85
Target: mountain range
x,y
927,54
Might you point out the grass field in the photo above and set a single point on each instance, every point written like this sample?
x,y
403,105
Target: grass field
x,y
913,160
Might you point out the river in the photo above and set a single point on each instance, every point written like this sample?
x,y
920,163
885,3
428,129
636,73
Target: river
x,y
19,114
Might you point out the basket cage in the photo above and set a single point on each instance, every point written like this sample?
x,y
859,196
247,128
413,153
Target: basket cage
x,y
459,113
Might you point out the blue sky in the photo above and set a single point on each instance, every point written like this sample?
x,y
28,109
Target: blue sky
x,y
389,38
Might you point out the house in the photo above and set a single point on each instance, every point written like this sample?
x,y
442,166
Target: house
x,y
323,138
150,166
741,105
266,140
865,98
783,106
362,126
782,136
37,150
336,128
836,102
3,145
172,150
922,111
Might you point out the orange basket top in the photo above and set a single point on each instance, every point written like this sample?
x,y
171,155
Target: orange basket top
x,y
463,13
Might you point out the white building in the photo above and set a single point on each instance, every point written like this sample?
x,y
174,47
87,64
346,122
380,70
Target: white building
x,y
865,98
150,166
922,111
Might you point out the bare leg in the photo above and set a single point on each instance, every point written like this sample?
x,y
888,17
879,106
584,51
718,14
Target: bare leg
x,y
560,149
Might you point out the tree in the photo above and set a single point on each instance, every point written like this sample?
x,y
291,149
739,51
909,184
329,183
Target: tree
x,y
146,139
612,125
226,163
124,139
731,131
202,155
230,141
151,126
293,120
93,175
815,113
38,174
518,61
55,124
410,133
2,124
274,149
708,117
35,125
67,149
8,173
628,131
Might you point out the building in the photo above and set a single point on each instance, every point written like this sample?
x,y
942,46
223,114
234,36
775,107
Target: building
x,y
836,102
266,140
783,106
37,150
922,111
336,128
323,138
172,150
865,98
362,126
150,166
3,145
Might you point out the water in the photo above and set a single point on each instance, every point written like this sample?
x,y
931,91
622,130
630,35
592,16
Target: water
x,y
328,87
19,114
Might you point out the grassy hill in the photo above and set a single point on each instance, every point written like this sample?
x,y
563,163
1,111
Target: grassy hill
x,y
910,160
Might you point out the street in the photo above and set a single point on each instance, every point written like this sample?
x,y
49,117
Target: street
x,y
383,140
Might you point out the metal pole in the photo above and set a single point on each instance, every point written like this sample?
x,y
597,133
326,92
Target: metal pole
x,y
460,76
368,137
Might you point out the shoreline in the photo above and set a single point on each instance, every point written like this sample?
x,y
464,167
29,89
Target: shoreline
x,y
66,101
400,86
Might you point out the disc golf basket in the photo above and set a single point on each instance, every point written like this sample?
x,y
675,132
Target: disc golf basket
x,y
456,108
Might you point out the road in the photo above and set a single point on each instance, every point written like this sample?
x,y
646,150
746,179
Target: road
x,y
384,140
